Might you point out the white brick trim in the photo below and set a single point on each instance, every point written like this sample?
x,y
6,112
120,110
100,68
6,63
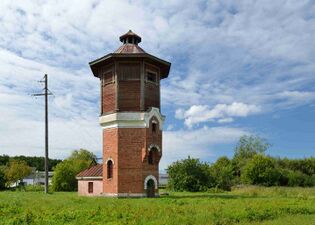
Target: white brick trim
x,y
147,179
110,158
154,146
131,119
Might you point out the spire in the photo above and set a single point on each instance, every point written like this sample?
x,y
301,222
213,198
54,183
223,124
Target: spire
x,y
130,38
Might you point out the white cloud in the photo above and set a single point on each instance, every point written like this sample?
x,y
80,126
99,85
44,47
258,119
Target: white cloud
x,y
196,143
222,113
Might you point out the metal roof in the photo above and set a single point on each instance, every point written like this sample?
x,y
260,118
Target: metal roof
x,y
129,48
94,171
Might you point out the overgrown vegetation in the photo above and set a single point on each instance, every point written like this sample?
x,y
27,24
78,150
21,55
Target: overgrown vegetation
x,y
66,171
246,206
249,165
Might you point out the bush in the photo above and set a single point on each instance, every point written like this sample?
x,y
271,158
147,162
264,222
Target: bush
x,y
297,178
64,178
16,171
189,175
222,173
261,170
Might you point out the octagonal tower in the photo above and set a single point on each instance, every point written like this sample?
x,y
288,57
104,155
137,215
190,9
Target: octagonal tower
x,y
131,118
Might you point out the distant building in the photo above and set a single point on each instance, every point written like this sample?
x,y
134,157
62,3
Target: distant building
x,y
37,177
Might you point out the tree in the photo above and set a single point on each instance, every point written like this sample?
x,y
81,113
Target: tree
x,y
66,171
246,149
16,171
222,173
2,178
189,175
64,177
261,170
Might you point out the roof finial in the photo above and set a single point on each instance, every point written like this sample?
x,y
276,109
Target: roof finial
x,y
130,38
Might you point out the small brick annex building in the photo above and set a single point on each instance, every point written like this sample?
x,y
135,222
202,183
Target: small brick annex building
x,y
131,120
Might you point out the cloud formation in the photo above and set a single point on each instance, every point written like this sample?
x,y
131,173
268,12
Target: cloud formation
x,y
229,59
221,113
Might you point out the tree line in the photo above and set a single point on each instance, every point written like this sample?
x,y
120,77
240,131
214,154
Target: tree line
x,y
33,161
14,169
249,166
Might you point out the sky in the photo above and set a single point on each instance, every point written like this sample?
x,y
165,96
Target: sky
x,y
238,68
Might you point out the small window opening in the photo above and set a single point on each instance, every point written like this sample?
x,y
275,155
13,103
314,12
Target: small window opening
x,y
90,187
130,40
154,127
151,77
109,169
151,159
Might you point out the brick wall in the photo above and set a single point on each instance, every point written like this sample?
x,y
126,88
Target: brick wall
x,y
128,147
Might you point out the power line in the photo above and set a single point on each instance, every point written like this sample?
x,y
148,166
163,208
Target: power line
x,y
46,93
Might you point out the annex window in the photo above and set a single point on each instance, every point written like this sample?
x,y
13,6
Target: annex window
x,y
152,77
90,184
109,169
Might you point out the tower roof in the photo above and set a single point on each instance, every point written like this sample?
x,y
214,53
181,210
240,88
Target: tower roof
x,y
131,50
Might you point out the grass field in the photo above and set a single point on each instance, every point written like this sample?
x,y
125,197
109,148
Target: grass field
x,y
251,205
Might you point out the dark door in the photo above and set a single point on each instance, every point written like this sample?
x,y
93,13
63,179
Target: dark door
x,y
150,188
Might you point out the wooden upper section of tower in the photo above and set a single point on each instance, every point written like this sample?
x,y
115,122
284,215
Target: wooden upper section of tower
x,y
130,77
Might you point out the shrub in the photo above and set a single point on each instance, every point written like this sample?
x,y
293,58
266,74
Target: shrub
x,y
16,171
222,173
189,175
261,170
64,178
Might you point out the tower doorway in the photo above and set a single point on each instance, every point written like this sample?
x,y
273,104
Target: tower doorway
x,y
150,188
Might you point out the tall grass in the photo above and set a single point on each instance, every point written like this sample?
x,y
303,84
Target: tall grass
x,y
247,205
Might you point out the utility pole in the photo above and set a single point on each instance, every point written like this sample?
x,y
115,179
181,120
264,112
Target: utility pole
x,y
46,93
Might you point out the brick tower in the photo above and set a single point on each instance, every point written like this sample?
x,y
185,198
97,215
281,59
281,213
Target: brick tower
x,y
131,119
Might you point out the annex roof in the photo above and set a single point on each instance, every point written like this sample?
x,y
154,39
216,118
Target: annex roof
x,y
92,172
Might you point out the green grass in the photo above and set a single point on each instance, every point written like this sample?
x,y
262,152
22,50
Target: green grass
x,y
250,205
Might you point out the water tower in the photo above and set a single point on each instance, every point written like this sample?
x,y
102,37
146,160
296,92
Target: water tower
x,y
131,118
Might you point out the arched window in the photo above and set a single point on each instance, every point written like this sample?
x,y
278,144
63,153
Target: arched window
x,y
109,169
151,157
154,127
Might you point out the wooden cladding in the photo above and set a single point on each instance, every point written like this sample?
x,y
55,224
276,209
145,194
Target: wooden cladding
x,y
129,95
129,71
107,77
152,95
108,98
106,74
136,87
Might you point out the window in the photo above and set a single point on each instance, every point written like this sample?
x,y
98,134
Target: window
x,y
154,125
151,158
109,169
90,187
152,77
